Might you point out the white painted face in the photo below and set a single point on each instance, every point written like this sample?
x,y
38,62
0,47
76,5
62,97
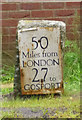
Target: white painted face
x,y
40,58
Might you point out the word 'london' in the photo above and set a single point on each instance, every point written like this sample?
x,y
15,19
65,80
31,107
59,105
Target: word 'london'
x,y
41,62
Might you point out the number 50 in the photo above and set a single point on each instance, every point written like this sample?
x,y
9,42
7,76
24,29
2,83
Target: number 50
x,y
41,45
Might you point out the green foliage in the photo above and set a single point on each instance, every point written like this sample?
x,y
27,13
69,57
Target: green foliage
x,y
43,102
71,66
7,74
6,90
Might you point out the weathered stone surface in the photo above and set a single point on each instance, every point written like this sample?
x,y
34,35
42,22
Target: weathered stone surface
x,y
40,46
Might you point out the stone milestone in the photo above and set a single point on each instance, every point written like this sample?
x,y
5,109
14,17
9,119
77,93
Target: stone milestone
x,y
40,45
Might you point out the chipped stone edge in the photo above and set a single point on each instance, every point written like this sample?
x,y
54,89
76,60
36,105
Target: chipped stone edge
x,y
40,23
31,25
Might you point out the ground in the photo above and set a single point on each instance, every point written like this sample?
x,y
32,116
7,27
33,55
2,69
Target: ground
x,y
49,106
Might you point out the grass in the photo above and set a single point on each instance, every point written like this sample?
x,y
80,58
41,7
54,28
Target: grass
x,y
6,90
7,74
41,102
71,67
11,114
71,104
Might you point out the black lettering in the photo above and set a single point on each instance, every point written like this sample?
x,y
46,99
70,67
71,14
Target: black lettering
x,y
25,55
35,42
36,63
57,62
58,85
48,54
43,47
32,54
52,85
42,62
29,63
37,86
32,87
47,86
38,55
35,75
27,87
23,63
48,62
54,54
45,73
43,54
52,78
